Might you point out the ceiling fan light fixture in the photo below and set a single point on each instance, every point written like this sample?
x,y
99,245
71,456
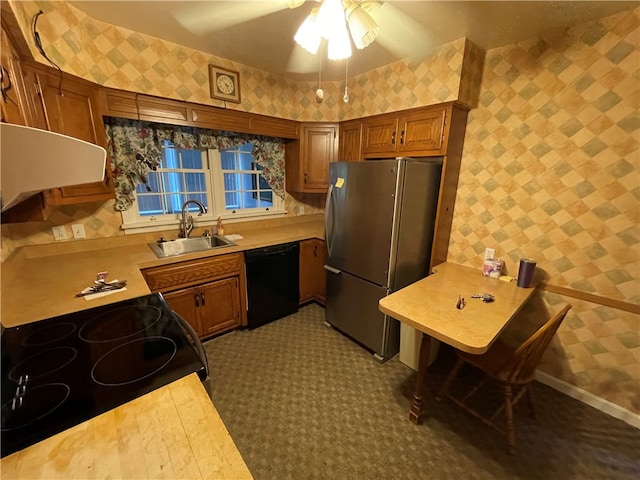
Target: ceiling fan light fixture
x,y
339,46
294,3
308,35
363,28
330,17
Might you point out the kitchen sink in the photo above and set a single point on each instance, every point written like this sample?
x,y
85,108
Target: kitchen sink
x,y
180,246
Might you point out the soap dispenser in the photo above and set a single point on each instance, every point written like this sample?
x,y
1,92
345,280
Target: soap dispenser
x,y
220,227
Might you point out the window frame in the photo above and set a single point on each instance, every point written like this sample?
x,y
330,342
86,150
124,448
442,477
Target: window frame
x,y
133,222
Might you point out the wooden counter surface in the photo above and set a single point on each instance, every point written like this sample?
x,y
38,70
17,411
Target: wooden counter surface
x,y
41,281
173,432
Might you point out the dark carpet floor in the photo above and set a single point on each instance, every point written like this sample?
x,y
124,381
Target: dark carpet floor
x,y
302,401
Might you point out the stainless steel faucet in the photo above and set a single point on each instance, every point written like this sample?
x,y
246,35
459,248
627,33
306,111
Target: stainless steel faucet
x,y
186,223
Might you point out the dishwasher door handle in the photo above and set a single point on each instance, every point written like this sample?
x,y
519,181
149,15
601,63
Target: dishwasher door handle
x,y
332,270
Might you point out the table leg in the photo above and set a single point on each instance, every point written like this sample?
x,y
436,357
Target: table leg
x,y
423,362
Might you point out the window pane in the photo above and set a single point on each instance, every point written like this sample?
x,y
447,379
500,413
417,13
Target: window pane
x,y
173,182
170,158
192,159
266,199
202,198
195,182
231,181
174,203
246,161
153,180
228,160
232,200
150,205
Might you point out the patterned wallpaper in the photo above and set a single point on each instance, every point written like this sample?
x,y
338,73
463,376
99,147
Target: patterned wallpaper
x,y
551,171
121,58
550,167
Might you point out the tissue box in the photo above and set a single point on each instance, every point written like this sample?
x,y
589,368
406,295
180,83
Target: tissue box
x,y
492,268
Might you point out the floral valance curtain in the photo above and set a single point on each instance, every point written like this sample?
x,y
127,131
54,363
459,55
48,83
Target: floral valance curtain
x,y
135,150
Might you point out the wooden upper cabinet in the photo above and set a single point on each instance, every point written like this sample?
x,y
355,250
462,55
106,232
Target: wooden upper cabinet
x,y
13,100
69,106
379,135
350,141
307,160
422,132
416,132
118,103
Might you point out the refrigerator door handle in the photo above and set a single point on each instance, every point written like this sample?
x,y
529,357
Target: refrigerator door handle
x,y
332,270
328,233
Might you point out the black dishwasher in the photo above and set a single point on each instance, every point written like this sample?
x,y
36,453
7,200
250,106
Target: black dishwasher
x,y
272,283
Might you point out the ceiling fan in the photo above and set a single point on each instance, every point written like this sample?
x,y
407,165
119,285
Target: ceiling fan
x,y
399,36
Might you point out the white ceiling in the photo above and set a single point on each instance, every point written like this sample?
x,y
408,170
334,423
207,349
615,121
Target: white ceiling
x,y
260,33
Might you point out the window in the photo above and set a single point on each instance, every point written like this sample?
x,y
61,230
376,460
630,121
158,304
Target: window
x,y
229,183
244,186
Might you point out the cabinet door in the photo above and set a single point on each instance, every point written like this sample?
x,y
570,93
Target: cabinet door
x,y
70,108
12,100
186,303
320,274
422,132
319,148
350,142
313,276
379,135
307,267
219,306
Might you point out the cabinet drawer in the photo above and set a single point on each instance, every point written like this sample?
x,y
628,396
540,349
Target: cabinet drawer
x,y
184,274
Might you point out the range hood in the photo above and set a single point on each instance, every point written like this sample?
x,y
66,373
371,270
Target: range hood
x,y
33,160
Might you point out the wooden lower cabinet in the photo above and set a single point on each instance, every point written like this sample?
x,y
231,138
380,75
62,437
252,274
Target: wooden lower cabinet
x,y
209,293
313,276
210,308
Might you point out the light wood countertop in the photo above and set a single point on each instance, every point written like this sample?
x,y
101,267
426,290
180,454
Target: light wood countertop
x,y
173,432
41,281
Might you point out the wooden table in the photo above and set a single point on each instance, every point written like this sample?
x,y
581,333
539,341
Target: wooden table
x,y
429,306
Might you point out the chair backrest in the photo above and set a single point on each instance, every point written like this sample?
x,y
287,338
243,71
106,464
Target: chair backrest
x,y
521,367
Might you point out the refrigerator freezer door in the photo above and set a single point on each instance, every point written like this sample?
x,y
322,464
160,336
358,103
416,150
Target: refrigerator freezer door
x,y
352,307
359,218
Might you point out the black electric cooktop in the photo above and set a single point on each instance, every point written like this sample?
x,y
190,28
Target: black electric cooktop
x,y
59,372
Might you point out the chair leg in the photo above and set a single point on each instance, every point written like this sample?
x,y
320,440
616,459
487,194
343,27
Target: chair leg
x,y
508,411
447,383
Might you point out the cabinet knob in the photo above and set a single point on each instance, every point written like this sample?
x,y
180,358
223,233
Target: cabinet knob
x,y
393,138
402,137
202,299
197,300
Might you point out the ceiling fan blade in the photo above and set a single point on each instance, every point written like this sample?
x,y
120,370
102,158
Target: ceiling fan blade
x,y
206,17
400,34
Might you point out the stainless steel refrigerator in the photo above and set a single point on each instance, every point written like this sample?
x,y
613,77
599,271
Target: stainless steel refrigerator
x,y
379,224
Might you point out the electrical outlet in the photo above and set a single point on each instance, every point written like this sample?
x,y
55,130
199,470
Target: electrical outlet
x,y
59,232
489,253
78,230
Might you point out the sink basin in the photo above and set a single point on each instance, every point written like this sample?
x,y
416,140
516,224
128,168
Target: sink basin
x,y
180,246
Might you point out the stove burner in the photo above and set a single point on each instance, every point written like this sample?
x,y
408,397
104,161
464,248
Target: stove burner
x,y
43,363
130,362
49,334
37,403
119,323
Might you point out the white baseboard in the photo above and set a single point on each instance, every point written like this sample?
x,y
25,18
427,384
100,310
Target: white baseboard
x,y
590,399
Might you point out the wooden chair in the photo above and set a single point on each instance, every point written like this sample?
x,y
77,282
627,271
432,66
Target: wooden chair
x,y
512,368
